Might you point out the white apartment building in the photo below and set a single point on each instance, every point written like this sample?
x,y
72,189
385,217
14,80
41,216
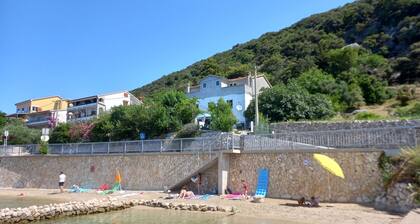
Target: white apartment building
x,y
86,108
237,92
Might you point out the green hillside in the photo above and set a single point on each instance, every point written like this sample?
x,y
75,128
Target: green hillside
x,y
387,28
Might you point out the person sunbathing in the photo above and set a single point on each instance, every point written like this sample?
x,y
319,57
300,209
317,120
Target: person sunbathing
x,y
189,194
314,202
301,201
184,193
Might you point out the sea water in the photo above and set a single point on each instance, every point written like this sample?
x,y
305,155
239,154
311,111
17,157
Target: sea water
x,y
25,201
162,216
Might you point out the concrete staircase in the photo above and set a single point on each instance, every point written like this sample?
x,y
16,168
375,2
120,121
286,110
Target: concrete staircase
x,y
188,177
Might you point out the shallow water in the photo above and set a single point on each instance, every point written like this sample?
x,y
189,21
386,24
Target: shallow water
x,y
162,216
25,201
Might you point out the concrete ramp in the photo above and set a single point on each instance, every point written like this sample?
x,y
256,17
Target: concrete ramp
x,y
187,178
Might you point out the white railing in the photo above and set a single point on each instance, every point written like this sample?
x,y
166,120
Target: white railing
x,y
222,142
379,138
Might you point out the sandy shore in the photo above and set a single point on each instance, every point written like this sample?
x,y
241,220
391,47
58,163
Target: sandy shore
x,y
269,209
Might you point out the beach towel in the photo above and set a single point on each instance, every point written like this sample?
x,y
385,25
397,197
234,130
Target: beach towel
x,y
104,187
115,188
233,196
77,189
262,184
204,197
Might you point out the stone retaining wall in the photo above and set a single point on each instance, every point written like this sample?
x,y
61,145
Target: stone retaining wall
x,y
295,174
146,172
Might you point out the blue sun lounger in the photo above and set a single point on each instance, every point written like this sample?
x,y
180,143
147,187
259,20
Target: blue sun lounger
x,y
262,184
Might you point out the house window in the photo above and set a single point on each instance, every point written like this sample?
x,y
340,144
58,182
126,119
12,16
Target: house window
x,y
230,102
204,85
93,113
34,108
217,83
234,84
125,103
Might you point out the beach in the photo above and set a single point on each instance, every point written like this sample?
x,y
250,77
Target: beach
x,y
272,209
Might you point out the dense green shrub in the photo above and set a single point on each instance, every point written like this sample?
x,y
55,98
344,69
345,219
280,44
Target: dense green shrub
x,y
60,134
351,97
43,148
103,128
188,131
374,91
222,118
317,81
291,102
19,133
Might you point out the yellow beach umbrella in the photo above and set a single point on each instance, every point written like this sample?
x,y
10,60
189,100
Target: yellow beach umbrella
x,y
329,164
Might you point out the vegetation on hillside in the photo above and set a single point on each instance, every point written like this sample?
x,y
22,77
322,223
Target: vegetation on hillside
x,y
344,85
389,30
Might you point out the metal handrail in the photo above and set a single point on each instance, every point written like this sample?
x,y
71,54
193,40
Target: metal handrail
x,y
137,146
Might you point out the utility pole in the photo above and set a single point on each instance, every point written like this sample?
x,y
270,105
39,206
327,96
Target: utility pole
x,y
257,118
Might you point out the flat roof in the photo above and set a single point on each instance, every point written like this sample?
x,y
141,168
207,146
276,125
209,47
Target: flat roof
x,y
30,100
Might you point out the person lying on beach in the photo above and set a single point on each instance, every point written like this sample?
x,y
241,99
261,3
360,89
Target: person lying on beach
x,y
314,202
301,201
182,192
185,194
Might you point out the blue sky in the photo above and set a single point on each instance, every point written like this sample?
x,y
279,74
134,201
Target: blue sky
x,y
76,48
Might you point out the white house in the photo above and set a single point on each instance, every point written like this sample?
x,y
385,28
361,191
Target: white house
x,y
237,92
86,108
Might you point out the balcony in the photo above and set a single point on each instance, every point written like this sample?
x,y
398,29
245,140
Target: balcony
x,y
38,121
92,105
80,119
